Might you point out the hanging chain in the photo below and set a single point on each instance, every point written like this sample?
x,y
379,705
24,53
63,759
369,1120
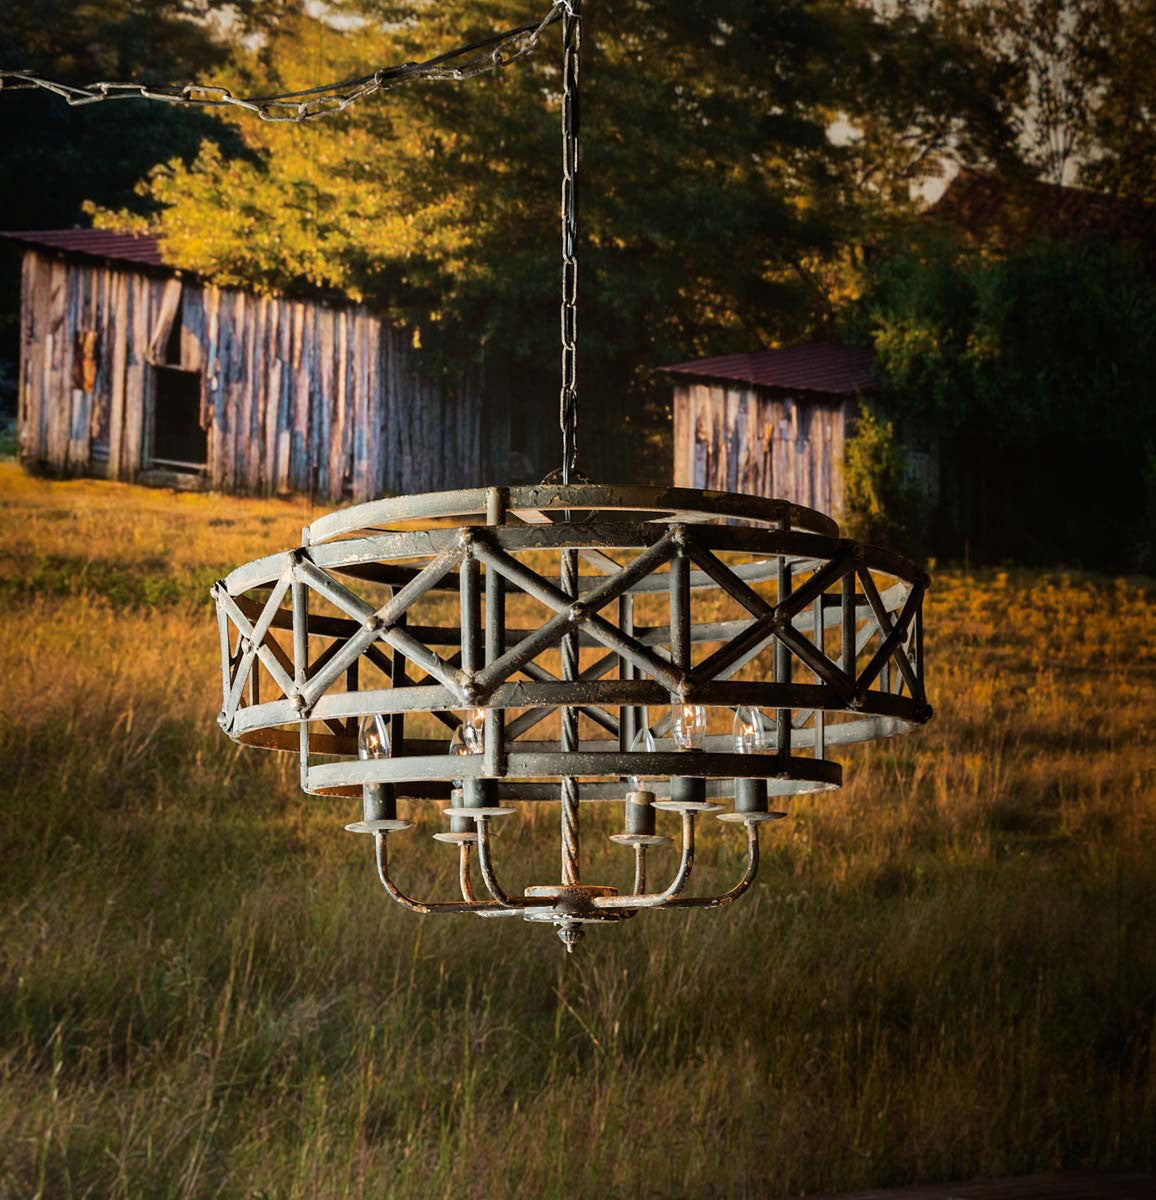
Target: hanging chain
x,y
571,44
463,63
568,415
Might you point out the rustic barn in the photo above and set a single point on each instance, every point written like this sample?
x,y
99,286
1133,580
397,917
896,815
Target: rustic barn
x,y
133,370
773,423
1007,215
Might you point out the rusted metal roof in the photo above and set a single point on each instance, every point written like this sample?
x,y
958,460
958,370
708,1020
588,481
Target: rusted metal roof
x,y
812,367
1008,214
95,243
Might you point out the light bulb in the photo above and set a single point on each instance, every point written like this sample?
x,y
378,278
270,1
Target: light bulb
x,y
688,724
460,744
642,743
373,737
474,730
750,731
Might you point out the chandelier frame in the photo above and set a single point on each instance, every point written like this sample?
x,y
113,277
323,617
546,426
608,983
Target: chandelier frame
x,y
671,544
362,542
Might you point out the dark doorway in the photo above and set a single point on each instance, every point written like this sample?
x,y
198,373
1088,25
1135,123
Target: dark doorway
x,y
179,443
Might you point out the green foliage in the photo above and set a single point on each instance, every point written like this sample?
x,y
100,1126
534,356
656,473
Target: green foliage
x,y
54,158
881,505
1040,61
1123,160
1146,539
57,157
1035,371
1073,83
717,213
1059,340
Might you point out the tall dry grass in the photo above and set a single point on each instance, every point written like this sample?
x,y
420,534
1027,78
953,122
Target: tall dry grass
x,y
947,968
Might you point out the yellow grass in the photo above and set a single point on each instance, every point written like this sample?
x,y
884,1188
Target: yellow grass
x,y
948,968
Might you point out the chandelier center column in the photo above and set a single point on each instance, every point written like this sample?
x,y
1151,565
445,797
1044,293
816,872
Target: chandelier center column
x,y
571,871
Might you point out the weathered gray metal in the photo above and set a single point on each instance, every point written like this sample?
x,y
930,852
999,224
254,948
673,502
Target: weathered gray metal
x,y
353,602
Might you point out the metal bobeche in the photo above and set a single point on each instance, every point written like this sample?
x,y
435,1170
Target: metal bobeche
x,y
677,549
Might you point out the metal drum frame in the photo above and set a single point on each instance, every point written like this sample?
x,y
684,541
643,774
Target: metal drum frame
x,y
320,637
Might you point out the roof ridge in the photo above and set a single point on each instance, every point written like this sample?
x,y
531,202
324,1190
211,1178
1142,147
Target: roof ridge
x,y
819,365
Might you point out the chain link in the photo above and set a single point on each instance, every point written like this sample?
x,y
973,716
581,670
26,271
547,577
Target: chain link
x,y
323,101
465,62
568,415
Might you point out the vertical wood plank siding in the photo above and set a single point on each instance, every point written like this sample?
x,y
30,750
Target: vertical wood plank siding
x,y
737,438
295,395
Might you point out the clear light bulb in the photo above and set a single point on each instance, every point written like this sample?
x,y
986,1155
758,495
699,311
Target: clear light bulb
x,y
373,737
474,730
642,743
460,744
688,724
750,731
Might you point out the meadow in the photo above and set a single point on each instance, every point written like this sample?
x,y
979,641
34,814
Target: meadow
x,y
946,969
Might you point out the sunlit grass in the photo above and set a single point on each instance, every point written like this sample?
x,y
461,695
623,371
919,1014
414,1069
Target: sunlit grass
x,y
948,968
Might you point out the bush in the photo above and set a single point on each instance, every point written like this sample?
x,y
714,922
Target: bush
x,y
881,504
1034,372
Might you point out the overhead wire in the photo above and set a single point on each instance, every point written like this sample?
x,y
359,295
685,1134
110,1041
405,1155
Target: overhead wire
x,y
326,99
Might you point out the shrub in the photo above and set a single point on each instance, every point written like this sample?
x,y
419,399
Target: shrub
x,y
882,506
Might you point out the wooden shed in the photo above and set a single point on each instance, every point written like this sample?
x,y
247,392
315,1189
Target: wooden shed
x,y
773,423
131,369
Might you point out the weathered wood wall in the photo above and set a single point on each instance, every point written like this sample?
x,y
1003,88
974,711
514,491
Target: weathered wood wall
x,y
295,395
737,438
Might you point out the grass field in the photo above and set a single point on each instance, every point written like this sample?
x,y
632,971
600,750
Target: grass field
x,y
948,968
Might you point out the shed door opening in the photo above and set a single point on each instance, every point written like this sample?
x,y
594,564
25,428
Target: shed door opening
x,y
179,443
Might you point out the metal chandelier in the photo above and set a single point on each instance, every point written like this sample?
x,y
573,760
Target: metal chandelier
x,y
663,651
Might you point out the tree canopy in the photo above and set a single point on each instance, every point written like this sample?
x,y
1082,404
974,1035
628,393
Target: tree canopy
x,y
717,210
1035,373
54,157
745,164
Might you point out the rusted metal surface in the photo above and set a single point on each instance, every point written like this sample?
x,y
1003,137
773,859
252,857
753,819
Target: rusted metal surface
x,y
822,367
142,249
322,100
840,621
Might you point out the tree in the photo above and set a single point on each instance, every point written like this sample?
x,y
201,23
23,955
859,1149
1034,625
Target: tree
x,y
1035,371
60,156
53,158
880,504
1074,79
1124,119
1042,55
712,196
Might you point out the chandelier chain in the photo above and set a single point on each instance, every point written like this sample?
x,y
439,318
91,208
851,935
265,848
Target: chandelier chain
x,y
465,62
571,45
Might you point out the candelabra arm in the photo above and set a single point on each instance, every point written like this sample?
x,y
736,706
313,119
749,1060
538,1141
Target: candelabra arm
x,y
465,879
740,887
418,906
639,870
502,899
658,899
